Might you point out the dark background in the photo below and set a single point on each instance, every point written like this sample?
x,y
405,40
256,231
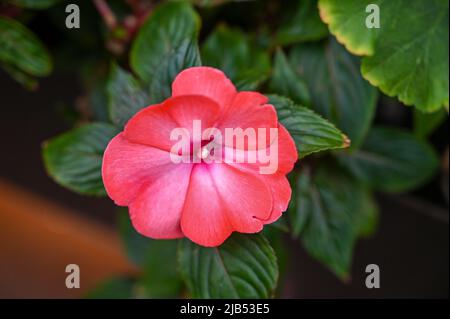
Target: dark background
x,y
411,245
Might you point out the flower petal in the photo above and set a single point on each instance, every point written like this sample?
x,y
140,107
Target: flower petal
x,y
154,124
222,199
249,111
281,195
280,159
205,81
156,212
246,195
287,151
128,166
241,112
204,219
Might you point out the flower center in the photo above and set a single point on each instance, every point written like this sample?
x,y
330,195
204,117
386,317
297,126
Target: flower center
x,y
204,152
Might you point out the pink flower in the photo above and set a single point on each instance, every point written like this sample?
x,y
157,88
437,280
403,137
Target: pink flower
x,y
204,202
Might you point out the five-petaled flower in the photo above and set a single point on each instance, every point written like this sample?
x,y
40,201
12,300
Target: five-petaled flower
x,y
204,202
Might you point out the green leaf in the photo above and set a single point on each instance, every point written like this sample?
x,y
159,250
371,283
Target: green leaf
x,y
28,81
407,56
156,258
426,123
231,51
347,22
303,24
166,28
276,238
211,3
125,96
369,215
392,160
98,100
310,131
74,159
327,212
245,266
285,81
22,49
338,92
280,225
185,56
34,4
113,288
249,80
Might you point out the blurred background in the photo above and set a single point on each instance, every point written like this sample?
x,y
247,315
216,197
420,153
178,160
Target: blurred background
x,y
44,227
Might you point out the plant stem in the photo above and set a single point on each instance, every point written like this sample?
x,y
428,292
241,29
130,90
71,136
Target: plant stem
x,y
106,13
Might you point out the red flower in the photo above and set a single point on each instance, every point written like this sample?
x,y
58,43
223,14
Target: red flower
x,y
204,201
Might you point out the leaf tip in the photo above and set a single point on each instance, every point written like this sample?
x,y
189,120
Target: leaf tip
x,y
346,141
